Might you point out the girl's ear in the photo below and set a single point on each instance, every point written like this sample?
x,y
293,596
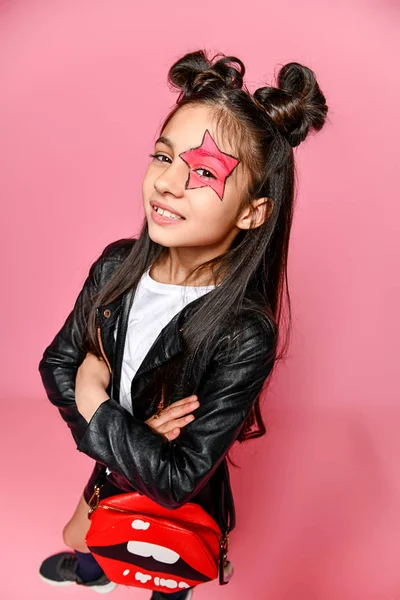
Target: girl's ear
x,y
255,215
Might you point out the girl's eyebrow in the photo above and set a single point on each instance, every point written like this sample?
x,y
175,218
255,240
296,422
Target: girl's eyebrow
x,y
166,141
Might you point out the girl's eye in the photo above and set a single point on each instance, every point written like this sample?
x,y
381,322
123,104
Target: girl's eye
x,y
159,156
207,174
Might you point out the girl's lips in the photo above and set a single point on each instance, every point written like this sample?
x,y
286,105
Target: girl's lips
x,y
161,220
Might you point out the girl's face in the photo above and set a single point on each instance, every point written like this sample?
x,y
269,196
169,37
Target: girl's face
x,y
197,175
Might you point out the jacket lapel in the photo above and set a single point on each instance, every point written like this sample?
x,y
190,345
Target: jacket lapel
x,y
167,344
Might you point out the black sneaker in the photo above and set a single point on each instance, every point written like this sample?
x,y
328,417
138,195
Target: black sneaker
x,y
61,569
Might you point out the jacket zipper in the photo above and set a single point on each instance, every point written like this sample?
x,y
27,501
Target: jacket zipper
x,y
102,348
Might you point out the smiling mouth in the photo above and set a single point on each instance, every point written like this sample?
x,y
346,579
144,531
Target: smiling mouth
x,y
167,213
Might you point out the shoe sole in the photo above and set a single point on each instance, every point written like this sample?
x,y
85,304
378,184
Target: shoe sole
x,y
100,589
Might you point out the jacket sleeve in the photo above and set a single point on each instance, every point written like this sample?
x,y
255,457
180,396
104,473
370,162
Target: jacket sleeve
x,y
62,358
172,472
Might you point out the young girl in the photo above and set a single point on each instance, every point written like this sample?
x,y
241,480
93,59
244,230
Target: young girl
x,y
159,367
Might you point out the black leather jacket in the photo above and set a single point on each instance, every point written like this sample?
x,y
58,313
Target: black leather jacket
x,y
171,473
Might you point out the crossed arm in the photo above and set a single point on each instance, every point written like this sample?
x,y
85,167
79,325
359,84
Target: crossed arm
x,y
92,381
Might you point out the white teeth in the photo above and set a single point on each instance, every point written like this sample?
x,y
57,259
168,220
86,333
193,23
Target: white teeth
x,y
160,553
139,524
142,577
169,583
166,213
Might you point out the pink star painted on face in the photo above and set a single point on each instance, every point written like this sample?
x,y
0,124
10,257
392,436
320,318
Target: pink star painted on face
x,y
208,157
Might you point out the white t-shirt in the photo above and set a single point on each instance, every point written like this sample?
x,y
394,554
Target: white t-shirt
x,y
153,306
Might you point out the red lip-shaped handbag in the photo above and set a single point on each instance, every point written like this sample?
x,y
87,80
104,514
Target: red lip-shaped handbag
x,y
140,543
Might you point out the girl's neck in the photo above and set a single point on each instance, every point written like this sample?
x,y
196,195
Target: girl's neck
x,y
162,274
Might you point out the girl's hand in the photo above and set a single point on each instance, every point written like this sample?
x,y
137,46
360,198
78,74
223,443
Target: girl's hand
x,y
92,380
172,418
93,371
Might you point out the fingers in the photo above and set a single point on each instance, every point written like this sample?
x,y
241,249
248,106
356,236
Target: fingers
x,y
178,409
183,401
172,435
172,413
175,416
176,423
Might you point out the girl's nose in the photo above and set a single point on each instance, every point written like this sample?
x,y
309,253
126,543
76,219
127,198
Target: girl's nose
x,y
172,180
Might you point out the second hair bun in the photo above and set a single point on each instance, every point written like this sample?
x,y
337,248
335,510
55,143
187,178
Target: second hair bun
x,y
297,105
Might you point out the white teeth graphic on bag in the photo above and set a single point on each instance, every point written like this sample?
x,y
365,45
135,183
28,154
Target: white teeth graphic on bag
x,y
160,553
142,577
168,583
139,524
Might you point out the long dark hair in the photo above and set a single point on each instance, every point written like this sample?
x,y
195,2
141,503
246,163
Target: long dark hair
x,y
264,127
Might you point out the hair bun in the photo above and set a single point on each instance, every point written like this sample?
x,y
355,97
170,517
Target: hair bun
x,y
297,105
194,72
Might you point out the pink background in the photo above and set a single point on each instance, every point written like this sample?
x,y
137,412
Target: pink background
x,y
83,90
